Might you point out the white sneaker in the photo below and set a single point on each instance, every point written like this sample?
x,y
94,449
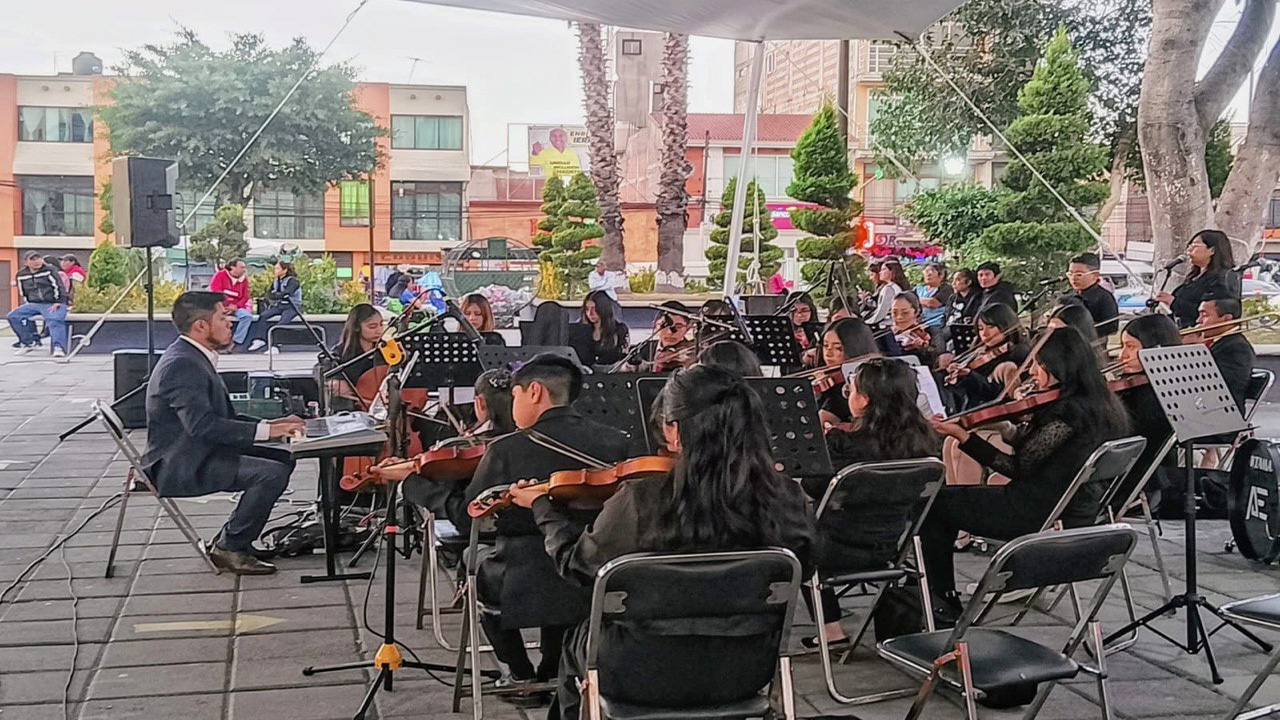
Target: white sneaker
x,y
24,349
274,350
59,352
256,345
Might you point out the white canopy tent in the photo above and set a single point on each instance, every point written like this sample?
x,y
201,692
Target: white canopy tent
x,y
747,20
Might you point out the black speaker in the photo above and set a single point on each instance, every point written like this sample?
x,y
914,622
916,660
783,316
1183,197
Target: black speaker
x,y
143,191
130,371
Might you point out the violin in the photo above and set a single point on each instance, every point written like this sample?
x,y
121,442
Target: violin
x,y
977,358
1004,410
673,357
581,488
449,464
824,378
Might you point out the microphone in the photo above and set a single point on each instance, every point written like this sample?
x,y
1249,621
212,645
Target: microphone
x,y
1174,262
1052,281
452,310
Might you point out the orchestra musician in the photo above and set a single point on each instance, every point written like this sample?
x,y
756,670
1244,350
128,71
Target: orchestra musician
x,y
804,322
518,579
1146,415
1230,349
360,334
724,494
672,349
841,307
913,335
843,340
1211,260
609,338
961,311
732,356
1084,275
1079,318
993,365
886,426
995,290
198,445
1046,455
893,283
475,308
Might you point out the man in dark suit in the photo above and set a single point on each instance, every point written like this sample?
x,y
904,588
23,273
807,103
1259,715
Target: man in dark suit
x,y
519,580
995,290
1231,350
197,444
1083,273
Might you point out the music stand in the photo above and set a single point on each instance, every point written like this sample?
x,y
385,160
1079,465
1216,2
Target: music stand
x,y
774,340
444,360
613,399
503,357
1197,403
795,433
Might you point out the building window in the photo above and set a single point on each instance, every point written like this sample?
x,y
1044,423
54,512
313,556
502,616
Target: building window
x,y
56,205
773,173
1273,212
39,124
353,203
281,215
426,211
768,63
426,132
631,47
185,202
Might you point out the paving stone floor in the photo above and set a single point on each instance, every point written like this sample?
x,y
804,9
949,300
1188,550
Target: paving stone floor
x,y
164,638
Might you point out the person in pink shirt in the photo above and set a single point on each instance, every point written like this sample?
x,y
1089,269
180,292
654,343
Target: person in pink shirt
x,y
779,285
233,282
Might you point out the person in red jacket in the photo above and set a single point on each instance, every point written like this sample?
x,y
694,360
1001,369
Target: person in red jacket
x,y
233,282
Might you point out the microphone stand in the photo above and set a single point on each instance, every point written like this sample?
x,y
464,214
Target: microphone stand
x,y
325,353
1153,305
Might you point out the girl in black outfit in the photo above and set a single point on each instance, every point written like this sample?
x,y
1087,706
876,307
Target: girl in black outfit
x,y
724,494
284,301
804,321
1078,317
1145,413
961,309
886,426
733,356
843,340
1005,348
477,311
1211,262
360,333
609,338
1047,454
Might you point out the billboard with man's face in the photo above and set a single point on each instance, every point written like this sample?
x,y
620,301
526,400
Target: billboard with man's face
x,y
558,150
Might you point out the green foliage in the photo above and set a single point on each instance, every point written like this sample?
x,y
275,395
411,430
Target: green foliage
x,y
351,293
757,220
93,299
322,291
188,101
953,215
107,268
694,286
643,281
822,163
223,238
572,213
1218,157
105,195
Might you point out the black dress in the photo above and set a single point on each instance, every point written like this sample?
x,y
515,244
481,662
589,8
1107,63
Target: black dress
x,y
1188,296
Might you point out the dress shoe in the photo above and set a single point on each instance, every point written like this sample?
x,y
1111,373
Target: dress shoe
x,y
240,563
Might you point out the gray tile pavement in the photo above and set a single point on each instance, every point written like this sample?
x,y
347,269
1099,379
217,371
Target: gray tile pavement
x,y
166,639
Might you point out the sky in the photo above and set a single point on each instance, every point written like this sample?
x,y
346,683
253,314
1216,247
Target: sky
x,y
517,70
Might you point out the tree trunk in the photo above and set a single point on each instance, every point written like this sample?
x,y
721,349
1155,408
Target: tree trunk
x,y
600,133
1119,174
1169,129
1257,166
673,200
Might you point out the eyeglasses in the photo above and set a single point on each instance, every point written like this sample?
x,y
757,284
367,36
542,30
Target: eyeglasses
x,y
1078,275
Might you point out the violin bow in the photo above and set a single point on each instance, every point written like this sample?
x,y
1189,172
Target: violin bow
x,y
572,453
1031,356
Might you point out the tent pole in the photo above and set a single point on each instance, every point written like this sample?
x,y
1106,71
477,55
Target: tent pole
x,y
740,196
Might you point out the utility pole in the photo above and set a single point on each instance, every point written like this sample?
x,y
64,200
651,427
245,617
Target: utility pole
x,y
842,91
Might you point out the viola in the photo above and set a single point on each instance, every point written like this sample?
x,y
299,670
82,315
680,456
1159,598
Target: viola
x,y
450,464
673,357
587,488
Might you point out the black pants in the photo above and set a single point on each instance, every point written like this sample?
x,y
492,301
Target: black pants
x,y
988,512
262,480
508,643
284,311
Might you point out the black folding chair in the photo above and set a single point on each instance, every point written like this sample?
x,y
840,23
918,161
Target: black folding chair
x,y
1001,669
866,500
1264,612
672,637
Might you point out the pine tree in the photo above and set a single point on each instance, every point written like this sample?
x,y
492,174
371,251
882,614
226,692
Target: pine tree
x,y
572,218
822,177
1037,235
755,215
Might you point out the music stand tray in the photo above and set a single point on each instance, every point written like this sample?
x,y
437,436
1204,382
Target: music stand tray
x,y
613,399
444,360
1197,403
503,357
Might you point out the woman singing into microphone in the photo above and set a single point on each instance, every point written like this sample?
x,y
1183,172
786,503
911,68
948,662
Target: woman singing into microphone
x,y
1211,261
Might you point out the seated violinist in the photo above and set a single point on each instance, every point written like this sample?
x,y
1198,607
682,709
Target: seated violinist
x,y
1076,316
886,425
1230,349
842,341
993,365
909,330
518,580
723,494
672,348
1146,416
360,335
1047,452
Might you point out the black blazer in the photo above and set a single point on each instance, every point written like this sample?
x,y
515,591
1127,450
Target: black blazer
x,y
1234,356
1188,295
194,436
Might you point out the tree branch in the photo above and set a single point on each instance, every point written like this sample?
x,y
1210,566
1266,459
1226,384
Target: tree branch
x,y
1119,171
1215,91
1257,166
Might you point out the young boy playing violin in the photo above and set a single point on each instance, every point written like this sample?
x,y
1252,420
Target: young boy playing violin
x,y
518,581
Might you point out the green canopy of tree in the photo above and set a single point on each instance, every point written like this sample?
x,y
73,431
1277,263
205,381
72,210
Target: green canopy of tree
x,y
572,217
757,224
188,101
222,239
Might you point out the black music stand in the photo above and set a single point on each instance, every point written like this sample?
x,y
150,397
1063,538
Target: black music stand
x,y
795,433
1198,404
504,358
774,340
613,399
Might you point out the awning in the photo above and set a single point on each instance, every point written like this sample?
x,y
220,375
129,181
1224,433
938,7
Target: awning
x,y
737,19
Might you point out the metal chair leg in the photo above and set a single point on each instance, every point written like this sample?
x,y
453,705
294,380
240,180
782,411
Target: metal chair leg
x,y
115,537
424,572
788,689
966,679
1100,653
1254,686
1155,545
188,530
473,608
593,696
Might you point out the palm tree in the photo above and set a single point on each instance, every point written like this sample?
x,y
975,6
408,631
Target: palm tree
x,y
604,158
673,200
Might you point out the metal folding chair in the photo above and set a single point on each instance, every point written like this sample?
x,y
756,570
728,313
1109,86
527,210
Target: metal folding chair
x,y
1264,612
137,480
999,668
435,533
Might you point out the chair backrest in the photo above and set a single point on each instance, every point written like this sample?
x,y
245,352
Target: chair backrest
x,y
656,617
115,428
1112,461
287,335
879,503
1260,382
550,325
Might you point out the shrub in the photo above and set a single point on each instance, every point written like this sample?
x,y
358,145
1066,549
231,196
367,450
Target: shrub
x,y
643,280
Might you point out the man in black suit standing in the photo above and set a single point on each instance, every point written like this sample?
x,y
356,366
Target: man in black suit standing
x,y
1084,275
1231,350
197,444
